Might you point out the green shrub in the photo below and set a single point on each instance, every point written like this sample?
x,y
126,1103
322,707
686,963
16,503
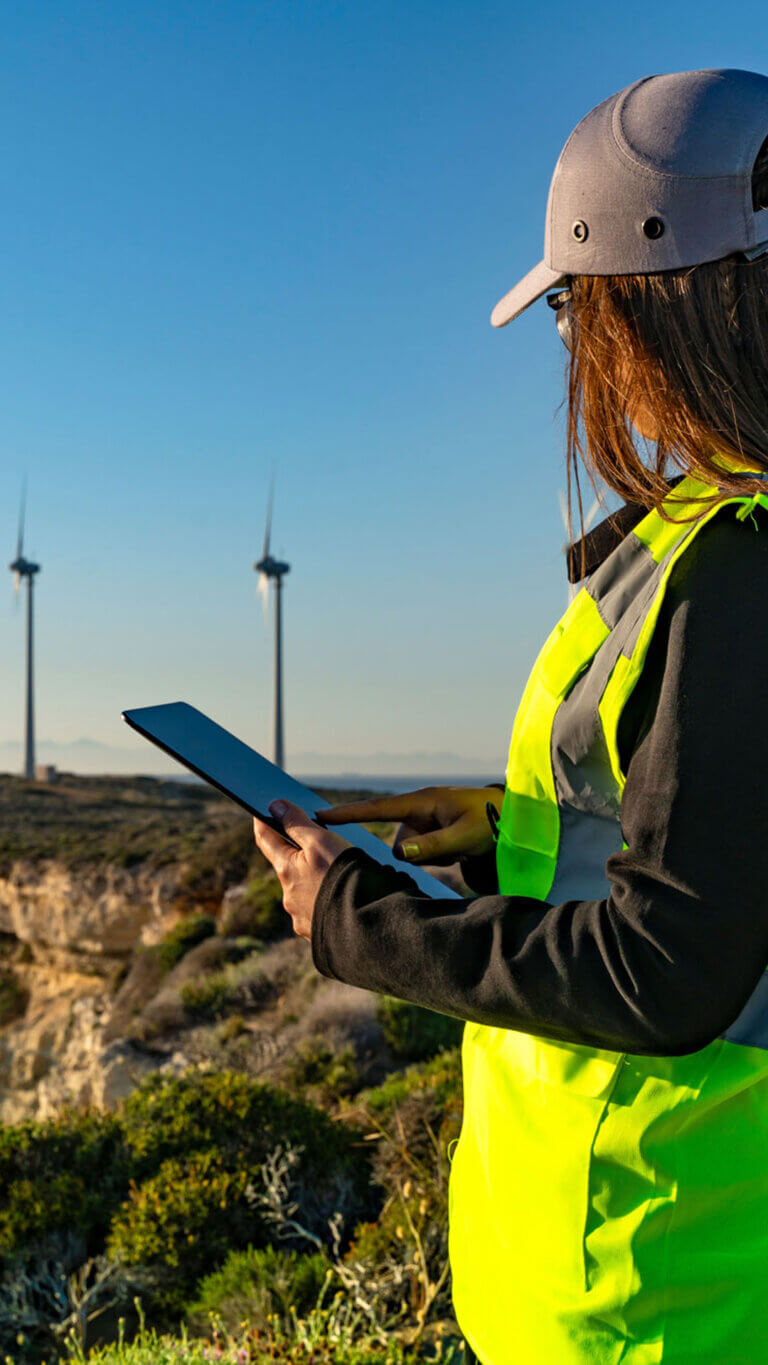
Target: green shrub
x,y
261,909
185,935
182,1220
13,998
69,1172
198,1145
255,1284
230,1029
206,997
242,1119
76,1171
34,1209
413,1033
440,1078
316,1065
238,985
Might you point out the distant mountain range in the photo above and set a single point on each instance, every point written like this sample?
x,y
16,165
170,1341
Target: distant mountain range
x,y
89,756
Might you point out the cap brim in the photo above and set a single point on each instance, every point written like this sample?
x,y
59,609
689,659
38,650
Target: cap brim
x,y
530,288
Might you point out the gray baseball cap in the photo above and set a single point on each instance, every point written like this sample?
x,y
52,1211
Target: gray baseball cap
x,y
658,177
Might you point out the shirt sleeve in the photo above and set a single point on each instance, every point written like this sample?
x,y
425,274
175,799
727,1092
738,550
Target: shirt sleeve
x,y
667,961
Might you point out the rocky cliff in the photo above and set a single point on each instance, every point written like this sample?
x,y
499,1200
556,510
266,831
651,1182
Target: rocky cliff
x,y
66,939
141,930
93,872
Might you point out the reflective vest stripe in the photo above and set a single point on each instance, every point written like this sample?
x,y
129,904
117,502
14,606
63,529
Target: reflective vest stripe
x,y
592,1193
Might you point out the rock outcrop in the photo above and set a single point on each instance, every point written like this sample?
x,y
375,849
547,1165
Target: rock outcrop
x,y
56,1058
101,911
68,936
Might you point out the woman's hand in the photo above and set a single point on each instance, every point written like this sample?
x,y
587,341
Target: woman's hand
x,y
439,824
299,870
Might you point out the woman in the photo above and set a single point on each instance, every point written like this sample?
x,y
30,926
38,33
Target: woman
x,y
609,1192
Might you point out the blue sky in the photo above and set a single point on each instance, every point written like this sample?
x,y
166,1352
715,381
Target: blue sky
x,y
245,235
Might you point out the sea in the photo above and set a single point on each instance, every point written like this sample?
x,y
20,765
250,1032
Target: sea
x,y
395,785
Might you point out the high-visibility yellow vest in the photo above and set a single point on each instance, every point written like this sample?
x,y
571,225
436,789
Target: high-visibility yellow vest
x,y
606,1208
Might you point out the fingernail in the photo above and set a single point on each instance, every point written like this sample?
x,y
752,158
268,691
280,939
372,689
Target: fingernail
x,y
278,808
410,850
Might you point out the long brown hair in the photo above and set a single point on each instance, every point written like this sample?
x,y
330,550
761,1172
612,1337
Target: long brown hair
x,y
688,348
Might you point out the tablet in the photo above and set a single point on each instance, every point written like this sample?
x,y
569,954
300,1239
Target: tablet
x,y
241,773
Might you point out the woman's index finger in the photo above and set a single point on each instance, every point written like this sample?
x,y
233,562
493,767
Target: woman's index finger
x,y
380,808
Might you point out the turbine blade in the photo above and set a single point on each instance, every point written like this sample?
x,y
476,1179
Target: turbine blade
x,y
564,513
22,519
591,514
262,588
268,528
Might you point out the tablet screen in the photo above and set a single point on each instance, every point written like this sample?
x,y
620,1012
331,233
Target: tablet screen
x,y
228,764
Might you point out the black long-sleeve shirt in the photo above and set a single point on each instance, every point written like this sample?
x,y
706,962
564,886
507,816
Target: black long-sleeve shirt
x,y
667,961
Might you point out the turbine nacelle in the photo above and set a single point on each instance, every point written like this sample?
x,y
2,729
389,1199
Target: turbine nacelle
x,y
271,568
24,568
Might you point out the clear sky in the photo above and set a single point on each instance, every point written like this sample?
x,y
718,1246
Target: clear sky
x,y
244,235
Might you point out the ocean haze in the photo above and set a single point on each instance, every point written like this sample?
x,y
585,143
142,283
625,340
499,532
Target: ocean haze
x,y
379,771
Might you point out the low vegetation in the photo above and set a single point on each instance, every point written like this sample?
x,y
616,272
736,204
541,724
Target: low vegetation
x,y
414,1033
189,931
236,986
259,1286
216,1200
256,909
324,1073
305,1342
83,822
89,822
277,1190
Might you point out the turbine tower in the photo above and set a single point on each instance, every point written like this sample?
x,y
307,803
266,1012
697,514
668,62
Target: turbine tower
x,y
270,569
24,569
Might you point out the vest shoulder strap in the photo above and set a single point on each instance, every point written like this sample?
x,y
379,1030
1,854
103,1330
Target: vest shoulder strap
x,y
687,510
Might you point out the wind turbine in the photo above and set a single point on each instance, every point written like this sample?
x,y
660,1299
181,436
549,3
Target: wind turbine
x,y
270,569
573,588
21,569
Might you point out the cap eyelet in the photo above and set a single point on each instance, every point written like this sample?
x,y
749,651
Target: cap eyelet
x,y
653,228
580,230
